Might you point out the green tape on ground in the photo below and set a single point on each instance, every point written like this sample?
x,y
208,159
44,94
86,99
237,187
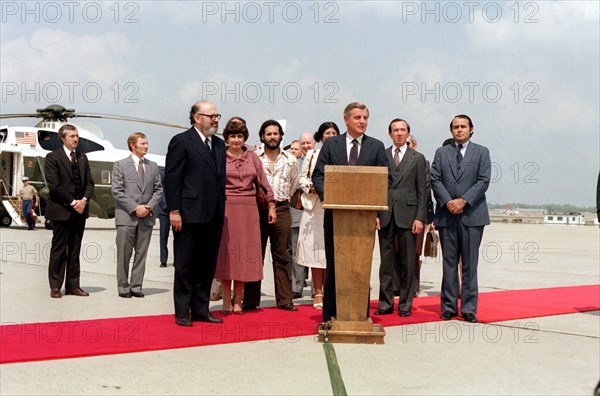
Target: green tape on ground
x,y
335,375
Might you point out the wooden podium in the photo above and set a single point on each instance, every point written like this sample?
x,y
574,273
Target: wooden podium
x,y
355,194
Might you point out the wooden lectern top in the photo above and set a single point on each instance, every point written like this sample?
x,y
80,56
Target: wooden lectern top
x,y
356,187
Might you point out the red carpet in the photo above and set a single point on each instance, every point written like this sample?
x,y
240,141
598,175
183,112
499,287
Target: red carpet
x,y
63,340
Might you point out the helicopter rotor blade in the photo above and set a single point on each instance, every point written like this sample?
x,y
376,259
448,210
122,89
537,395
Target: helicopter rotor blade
x,y
19,115
130,119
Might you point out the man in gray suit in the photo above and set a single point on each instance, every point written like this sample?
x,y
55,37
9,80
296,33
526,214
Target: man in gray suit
x,y
407,203
460,176
137,189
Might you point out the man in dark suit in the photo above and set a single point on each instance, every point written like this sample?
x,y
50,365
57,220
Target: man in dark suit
x,y
137,189
351,148
195,192
460,176
70,186
407,203
165,226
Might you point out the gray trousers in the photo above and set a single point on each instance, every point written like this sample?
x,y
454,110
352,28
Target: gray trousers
x,y
460,242
130,239
298,271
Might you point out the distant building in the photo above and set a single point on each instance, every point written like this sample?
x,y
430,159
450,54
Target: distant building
x,y
565,218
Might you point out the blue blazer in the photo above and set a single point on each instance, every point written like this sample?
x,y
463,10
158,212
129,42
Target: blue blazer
x,y
470,181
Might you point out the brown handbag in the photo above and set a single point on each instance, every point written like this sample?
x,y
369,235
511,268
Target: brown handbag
x,y
296,199
432,241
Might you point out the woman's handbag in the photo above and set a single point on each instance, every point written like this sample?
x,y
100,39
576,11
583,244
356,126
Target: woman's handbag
x,y
296,199
432,241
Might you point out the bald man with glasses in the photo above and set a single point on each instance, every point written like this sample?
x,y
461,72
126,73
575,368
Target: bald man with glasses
x,y
194,188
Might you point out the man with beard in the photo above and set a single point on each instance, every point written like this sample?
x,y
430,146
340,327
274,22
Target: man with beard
x,y
195,193
281,169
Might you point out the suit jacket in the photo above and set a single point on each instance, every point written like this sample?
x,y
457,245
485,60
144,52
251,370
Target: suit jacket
x,y
162,204
470,181
60,182
194,178
333,152
129,193
407,197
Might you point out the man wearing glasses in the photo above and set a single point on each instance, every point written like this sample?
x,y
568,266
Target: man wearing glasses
x,y
194,187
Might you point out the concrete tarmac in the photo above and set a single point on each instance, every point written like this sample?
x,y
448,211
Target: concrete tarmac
x,y
556,355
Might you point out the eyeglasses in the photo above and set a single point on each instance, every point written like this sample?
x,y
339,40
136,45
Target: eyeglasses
x,y
213,117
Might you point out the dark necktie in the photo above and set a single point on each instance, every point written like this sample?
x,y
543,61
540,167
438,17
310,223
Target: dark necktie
x,y
76,176
459,156
397,156
207,143
141,172
353,153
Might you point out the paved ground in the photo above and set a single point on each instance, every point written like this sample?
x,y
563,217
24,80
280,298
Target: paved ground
x,y
551,355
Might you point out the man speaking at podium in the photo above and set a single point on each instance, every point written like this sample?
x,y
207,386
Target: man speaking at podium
x,y
350,148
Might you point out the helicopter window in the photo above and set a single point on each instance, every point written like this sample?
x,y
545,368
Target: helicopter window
x,y
3,135
87,146
50,141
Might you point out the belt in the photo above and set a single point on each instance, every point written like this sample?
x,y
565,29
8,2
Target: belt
x,y
282,203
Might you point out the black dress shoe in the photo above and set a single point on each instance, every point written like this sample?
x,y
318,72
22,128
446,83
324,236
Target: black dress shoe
x,y
163,265
183,322
383,311
469,317
296,295
248,307
447,315
125,295
55,293
207,318
288,307
404,314
137,294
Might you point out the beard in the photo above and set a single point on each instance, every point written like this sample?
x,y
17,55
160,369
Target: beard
x,y
271,145
210,131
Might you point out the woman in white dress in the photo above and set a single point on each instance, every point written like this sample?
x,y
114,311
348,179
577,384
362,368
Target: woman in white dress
x,y
310,251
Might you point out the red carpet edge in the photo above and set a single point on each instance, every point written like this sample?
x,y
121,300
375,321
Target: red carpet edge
x,y
26,342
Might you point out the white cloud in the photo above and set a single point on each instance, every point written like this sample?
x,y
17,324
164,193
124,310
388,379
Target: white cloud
x,y
561,24
54,55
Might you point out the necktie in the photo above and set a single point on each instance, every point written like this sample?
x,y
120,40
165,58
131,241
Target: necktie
x,y
207,143
397,156
353,153
141,172
73,159
459,156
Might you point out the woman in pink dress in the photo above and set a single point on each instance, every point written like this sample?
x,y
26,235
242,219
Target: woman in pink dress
x,y
240,258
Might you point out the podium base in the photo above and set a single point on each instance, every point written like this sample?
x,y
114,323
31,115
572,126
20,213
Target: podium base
x,y
351,332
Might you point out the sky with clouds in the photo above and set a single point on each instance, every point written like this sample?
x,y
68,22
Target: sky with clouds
x,y
526,72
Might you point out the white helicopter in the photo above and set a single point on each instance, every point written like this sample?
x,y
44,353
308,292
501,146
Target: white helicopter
x,y
24,150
